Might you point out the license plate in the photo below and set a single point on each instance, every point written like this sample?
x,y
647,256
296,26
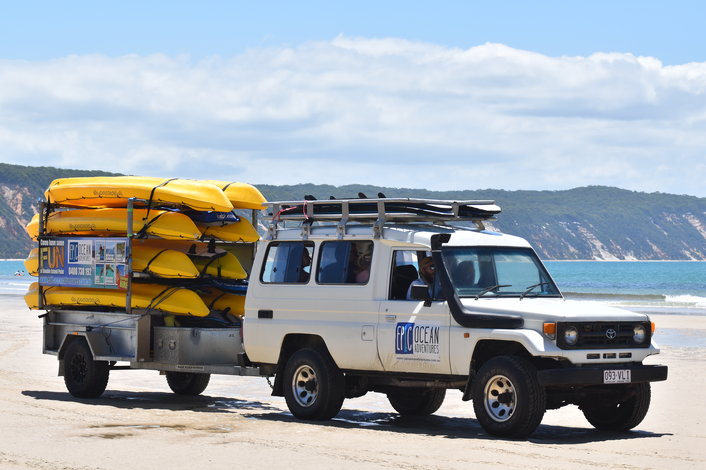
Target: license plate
x,y
616,376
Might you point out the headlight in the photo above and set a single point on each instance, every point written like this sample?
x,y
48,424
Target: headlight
x,y
571,335
639,334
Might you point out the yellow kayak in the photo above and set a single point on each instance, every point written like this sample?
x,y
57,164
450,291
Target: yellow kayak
x,y
218,300
174,300
162,262
114,191
241,195
219,263
242,231
146,259
32,262
224,266
112,222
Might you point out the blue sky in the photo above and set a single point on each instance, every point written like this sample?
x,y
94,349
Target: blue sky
x,y
440,95
35,30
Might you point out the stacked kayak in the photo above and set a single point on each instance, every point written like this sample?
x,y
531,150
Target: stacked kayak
x,y
171,235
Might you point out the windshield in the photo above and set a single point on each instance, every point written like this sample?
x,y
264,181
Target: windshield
x,y
497,271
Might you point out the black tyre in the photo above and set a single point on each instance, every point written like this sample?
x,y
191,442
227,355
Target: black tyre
x,y
84,377
187,383
416,401
314,387
507,399
621,416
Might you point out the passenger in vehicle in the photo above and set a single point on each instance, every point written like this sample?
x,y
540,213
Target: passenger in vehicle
x,y
361,256
305,269
427,273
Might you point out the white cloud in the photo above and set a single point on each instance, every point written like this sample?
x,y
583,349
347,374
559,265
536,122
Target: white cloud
x,y
380,111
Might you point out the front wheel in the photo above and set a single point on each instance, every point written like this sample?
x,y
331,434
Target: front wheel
x,y
314,387
507,398
84,377
187,383
416,401
621,416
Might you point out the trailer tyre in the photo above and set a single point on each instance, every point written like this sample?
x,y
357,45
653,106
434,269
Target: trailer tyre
x,y
507,398
84,377
622,416
416,401
314,387
187,383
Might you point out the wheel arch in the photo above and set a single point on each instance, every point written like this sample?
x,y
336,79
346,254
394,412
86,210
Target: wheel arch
x,y
488,348
68,341
292,343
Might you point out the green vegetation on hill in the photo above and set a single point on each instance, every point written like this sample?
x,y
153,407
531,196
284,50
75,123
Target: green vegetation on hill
x,y
594,222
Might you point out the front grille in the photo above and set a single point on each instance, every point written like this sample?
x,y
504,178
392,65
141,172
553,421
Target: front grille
x,y
603,335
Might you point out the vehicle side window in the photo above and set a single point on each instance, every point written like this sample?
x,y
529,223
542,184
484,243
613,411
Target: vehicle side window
x,y
288,262
345,262
405,270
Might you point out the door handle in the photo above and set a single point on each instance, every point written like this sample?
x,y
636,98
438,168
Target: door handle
x,y
390,317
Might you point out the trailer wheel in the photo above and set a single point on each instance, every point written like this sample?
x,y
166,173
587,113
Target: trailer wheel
x,y
187,383
314,387
416,401
507,398
621,416
84,377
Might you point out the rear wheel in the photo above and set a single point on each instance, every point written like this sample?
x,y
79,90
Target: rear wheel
x,y
84,377
416,401
621,416
507,398
187,383
314,387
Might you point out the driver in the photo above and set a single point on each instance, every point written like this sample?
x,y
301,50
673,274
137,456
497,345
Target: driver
x,y
427,273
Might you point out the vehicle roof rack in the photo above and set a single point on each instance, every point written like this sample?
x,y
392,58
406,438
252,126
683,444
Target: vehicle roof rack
x,y
378,211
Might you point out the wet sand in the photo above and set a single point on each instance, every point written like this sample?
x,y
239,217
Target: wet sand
x,y
140,424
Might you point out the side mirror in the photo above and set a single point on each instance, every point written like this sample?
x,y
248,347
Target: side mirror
x,y
420,292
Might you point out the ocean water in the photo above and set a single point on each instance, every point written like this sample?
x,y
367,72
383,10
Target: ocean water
x,y
14,279
648,286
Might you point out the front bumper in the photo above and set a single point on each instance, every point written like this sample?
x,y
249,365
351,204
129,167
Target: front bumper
x,y
593,375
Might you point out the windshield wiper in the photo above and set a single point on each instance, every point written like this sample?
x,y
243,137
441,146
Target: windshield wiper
x,y
532,287
491,288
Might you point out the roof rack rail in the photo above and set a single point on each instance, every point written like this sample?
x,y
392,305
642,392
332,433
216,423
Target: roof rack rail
x,y
378,212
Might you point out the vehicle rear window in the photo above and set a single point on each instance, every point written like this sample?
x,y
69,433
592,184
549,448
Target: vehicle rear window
x,y
345,262
287,262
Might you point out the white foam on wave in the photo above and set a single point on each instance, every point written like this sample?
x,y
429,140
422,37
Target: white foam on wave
x,y
686,300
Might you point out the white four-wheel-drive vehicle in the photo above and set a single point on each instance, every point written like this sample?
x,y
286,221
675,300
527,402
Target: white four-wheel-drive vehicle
x,y
404,297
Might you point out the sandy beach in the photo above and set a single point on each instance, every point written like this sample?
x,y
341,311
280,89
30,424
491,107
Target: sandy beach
x,y
140,424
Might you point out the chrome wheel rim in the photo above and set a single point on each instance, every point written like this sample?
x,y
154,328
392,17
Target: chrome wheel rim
x,y
500,400
305,386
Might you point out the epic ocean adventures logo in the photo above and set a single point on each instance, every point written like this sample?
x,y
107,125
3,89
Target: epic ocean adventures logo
x,y
411,338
